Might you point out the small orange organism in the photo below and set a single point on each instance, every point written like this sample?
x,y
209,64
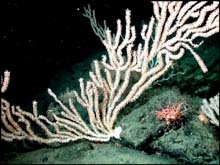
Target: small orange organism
x,y
172,113
203,118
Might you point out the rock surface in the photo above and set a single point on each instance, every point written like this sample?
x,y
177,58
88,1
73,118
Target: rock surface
x,y
87,153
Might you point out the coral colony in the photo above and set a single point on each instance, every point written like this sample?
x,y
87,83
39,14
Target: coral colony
x,y
174,28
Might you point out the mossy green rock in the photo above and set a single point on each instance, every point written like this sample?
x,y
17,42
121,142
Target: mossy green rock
x,y
188,141
88,153
192,143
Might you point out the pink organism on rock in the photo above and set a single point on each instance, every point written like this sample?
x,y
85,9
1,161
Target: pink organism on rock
x,y
171,114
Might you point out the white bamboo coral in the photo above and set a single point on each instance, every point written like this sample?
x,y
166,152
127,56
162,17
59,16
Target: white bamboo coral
x,y
174,28
211,109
